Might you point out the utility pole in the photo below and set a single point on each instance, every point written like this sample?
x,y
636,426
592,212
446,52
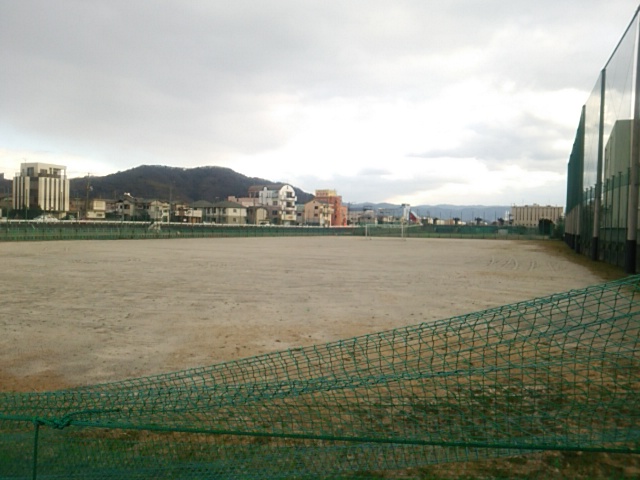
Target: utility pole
x,y
170,194
88,188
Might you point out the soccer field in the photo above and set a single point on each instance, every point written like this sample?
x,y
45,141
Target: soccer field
x,y
82,312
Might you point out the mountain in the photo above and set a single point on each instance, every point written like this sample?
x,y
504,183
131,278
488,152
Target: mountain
x,y
179,184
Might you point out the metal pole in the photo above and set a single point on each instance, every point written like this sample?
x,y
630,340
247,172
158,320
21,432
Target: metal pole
x,y
34,470
579,191
170,193
596,210
632,212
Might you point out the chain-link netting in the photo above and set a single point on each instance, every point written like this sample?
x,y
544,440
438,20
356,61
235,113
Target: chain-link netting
x,y
554,373
600,173
16,231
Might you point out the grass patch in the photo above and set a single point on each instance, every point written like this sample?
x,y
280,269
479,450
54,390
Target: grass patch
x,y
560,249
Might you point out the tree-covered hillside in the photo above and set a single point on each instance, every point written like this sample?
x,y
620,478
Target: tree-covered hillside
x,y
179,184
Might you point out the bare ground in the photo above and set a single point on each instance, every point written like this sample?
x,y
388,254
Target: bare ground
x,y
81,312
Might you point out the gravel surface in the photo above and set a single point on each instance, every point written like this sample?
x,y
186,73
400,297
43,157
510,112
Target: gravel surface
x,y
82,312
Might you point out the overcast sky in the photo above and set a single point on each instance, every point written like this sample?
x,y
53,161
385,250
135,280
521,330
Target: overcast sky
x,y
406,101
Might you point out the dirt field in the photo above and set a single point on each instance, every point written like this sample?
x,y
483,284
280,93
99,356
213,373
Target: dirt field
x,y
83,312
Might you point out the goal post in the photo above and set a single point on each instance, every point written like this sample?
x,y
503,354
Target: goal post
x,y
389,230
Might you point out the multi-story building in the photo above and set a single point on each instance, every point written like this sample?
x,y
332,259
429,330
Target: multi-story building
x,y
318,213
280,201
339,211
41,185
530,215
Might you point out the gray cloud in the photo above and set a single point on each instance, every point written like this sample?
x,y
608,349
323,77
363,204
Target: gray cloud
x,y
526,141
196,82
359,188
373,172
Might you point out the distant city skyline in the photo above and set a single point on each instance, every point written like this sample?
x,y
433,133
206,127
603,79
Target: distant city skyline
x,y
459,102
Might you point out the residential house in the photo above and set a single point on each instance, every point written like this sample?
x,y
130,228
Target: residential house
x,y
257,215
229,213
126,208
207,208
158,211
366,216
97,209
246,201
130,208
186,214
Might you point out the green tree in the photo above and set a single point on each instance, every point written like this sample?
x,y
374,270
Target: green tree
x,y
25,213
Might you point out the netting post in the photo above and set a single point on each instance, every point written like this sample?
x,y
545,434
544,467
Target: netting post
x,y
598,193
34,474
632,210
579,197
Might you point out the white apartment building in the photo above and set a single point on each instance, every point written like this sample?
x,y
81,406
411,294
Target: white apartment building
x,y
41,185
530,215
280,201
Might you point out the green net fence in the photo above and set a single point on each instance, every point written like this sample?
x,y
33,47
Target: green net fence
x,y
14,231
600,189
17,231
554,373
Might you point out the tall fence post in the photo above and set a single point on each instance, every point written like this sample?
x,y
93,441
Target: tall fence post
x,y
579,193
632,212
598,193
34,470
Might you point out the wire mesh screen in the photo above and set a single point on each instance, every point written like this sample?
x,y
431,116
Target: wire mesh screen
x,y
601,160
554,373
